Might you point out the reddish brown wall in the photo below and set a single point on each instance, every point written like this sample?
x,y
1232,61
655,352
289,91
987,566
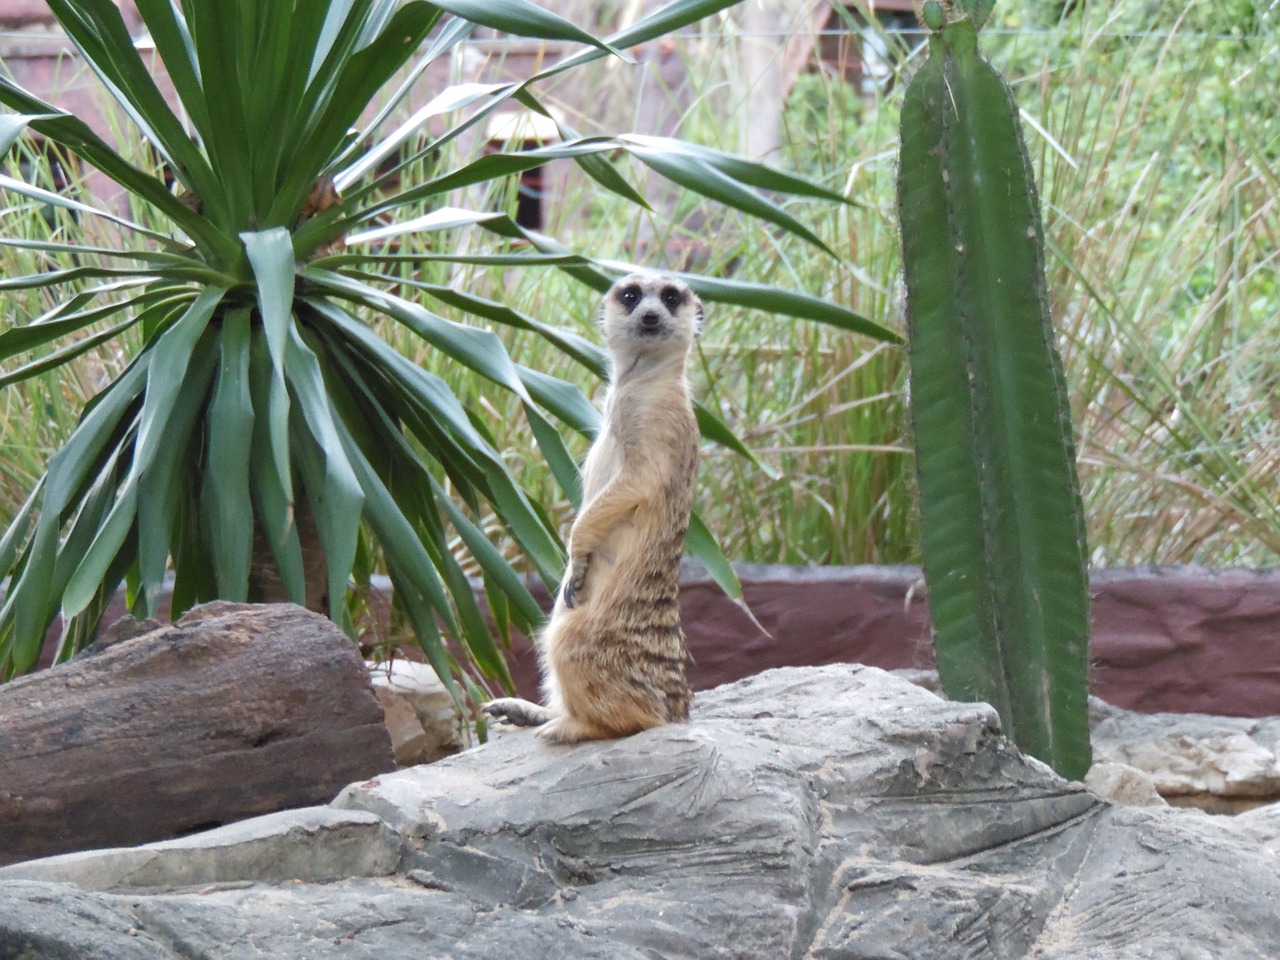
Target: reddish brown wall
x,y
1181,639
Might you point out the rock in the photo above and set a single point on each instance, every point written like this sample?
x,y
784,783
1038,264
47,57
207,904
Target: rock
x,y
158,730
420,715
825,813
1219,764
1121,783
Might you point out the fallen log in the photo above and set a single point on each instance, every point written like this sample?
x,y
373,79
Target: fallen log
x,y
233,711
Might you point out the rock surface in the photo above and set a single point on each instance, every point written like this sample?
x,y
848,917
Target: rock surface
x,y
1219,764
825,813
421,717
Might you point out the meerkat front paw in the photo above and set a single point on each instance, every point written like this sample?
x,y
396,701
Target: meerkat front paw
x,y
573,584
520,713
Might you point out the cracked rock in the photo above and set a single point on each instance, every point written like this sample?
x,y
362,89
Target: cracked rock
x,y
829,812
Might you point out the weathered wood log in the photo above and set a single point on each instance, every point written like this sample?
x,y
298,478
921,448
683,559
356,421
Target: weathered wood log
x,y
233,711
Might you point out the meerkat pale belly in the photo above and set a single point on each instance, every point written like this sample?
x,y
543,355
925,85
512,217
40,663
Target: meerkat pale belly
x,y
613,650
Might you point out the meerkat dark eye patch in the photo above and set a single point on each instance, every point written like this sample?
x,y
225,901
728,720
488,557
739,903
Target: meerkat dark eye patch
x,y
672,297
629,296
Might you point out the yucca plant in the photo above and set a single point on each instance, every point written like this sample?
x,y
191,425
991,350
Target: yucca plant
x,y
264,437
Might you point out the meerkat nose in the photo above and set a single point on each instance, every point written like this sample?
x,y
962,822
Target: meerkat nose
x,y
650,318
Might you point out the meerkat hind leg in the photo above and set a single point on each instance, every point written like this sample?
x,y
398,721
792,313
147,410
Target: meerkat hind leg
x,y
519,712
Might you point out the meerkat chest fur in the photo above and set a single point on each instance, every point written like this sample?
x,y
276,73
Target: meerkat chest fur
x,y
648,441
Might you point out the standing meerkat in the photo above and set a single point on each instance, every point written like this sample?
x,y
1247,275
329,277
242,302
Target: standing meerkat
x,y
613,653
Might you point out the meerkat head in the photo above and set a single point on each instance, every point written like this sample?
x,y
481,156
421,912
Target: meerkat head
x,y
650,313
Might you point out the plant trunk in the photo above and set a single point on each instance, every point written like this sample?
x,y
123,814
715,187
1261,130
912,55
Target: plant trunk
x,y
265,583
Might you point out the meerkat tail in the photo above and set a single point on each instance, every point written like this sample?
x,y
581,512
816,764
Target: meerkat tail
x,y
520,713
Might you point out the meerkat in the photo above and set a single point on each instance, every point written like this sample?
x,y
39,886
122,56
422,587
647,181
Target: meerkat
x,y
613,651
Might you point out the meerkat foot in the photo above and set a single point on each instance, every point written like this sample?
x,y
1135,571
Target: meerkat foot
x,y
568,730
520,713
573,585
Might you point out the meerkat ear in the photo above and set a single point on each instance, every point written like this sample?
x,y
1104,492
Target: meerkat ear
x,y
699,317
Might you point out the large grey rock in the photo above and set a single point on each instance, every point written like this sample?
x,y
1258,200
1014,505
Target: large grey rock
x,y
825,813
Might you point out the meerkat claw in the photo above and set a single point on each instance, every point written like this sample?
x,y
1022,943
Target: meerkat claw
x,y
517,712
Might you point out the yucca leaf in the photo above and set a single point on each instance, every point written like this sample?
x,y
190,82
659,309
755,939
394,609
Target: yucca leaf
x,y
597,166
168,368
491,561
715,429
100,554
691,172
31,601
563,399
758,296
444,41
360,75
58,200
173,43
225,488
86,528
270,254
98,31
12,126
53,327
584,351
477,349
17,531
477,640
270,476
76,136
438,402
401,544
337,504
525,19
749,172
164,471
702,544
559,461
667,19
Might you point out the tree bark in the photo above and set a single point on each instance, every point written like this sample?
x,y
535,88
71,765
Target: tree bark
x,y
233,711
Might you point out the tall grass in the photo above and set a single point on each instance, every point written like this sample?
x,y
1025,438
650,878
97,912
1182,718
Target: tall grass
x,y
1157,152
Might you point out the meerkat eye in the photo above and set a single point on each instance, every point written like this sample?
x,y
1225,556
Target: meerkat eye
x,y
672,298
629,296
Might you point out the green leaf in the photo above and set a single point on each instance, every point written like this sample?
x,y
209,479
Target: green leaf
x,y
337,504
98,31
758,296
77,137
667,19
164,473
403,549
491,561
525,19
693,172
477,349
225,489
13,125
703,545
167,370
271,257
58,200
270,473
